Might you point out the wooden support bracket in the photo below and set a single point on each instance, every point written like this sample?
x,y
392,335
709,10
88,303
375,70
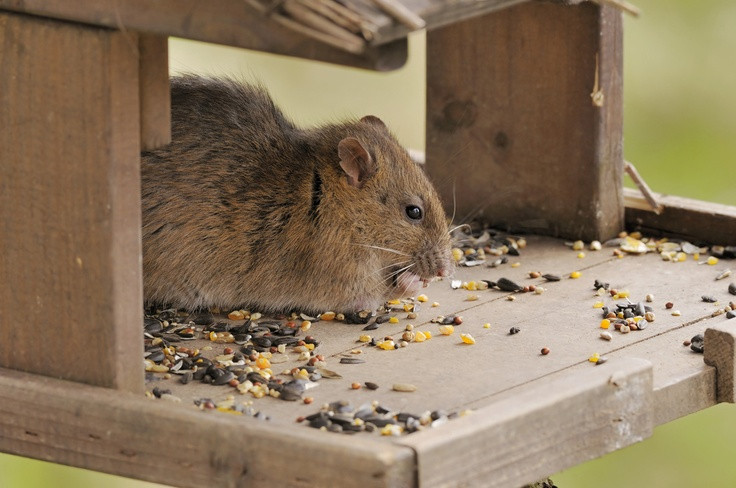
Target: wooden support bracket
x,y
70,231
720,352
524,119
155,99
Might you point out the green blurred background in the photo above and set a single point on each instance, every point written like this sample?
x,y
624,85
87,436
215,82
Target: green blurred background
x,y
680,132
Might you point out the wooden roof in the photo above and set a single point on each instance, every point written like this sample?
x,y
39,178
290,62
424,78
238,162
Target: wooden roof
x,y
366,33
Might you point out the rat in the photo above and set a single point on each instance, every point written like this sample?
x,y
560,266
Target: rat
x,y
245,209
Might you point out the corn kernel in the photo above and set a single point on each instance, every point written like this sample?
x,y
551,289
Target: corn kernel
x,y
420,337
305,325
471,286
457,254
598,305
446,329
595,246
594,358
578,246
327,316
387,345
427,334
236,315
575,275
393,320
581,255
711,261
605,323
623,293
516,264
467,338
422,298
364,338
472,297
435,304
487,325
395,301
263,363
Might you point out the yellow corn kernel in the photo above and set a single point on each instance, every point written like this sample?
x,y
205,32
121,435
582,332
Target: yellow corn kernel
x,y
387,345
598,305
467,338
420,337
422,298
393,320
594,358
364,338
711,261
605,323
457,254
487,325
575,275
446,329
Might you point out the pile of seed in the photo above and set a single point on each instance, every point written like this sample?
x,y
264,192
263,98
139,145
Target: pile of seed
x,y
343,417
248,370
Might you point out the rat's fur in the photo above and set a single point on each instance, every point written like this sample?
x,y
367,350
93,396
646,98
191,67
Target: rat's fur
x,y
245,209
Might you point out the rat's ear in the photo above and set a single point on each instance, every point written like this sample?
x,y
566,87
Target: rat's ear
x,y
356,161
373,120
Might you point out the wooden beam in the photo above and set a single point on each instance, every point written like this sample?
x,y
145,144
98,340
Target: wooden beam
x,y
541,429
231,22
70,202
178,445
720,352
524,119
697,220
155,100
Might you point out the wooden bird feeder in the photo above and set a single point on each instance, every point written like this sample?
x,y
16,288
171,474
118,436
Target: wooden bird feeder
x,y
524,115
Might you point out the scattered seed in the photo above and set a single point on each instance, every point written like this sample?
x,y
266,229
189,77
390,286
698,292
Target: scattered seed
x,y
649,298
411,316
487,325
404,387
327,316
598,305
625,329
605,323
504,284
575,275
534,274
308,400
732,288
511,298
712,260
724,274
393,320
596,246
578,245
581,255
676,313
669,305
236,315
420,337
606,336
649,316
539,290
457,320
435,304
594,358
551,277
472,297
467,338
544,351
446,329
697,343
708,299
514,330
355,386
365,338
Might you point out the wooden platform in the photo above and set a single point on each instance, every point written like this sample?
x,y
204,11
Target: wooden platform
x,y
532,414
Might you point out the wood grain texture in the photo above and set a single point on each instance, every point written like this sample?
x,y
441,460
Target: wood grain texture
x,y
178,445
697,220
511,127
155,99
720,352
70,202
534,432
231,22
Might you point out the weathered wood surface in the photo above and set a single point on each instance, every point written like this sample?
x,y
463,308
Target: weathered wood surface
x,y
541,429
70,202
155,100
512,130
511,387
231,22
694,219
126,434
721,354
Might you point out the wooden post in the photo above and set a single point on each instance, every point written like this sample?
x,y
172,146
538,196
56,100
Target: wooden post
x,y
71,299
155,99
720,352
513,131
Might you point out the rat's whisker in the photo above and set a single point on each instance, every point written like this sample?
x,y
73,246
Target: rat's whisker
x,y
457,227
382,249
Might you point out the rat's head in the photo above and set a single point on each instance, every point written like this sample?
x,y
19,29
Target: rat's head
x,y
397,217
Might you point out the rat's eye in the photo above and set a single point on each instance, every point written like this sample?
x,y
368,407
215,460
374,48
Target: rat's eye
x,y
413,212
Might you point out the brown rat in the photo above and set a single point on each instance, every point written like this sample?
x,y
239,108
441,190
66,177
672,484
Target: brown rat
x,y
245,209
